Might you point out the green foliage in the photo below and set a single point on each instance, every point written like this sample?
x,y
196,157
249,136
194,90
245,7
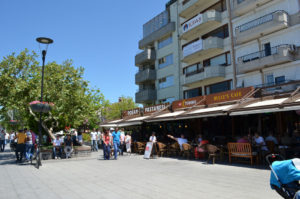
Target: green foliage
x,y
86,137
75,101
114,110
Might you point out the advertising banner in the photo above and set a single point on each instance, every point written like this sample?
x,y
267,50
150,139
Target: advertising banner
x,y
192,23
192,48
148,150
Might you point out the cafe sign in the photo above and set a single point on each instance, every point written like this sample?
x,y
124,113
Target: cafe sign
x,y
152,109
131,113
187,102
228,95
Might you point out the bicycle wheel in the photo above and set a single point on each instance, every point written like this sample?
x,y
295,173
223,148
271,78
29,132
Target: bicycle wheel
x,y
38,159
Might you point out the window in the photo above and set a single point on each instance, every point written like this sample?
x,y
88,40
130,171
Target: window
x,y
220,6
166,82
279,80
269,79
195,92
165,42
218,87
165,61
221,32
167,100
220,60
193,69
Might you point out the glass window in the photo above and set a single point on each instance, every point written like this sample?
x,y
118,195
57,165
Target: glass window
x,y
167,100
280,80
219,87
192,93
193,69
221,32
165,61
165,42
221,60
166,82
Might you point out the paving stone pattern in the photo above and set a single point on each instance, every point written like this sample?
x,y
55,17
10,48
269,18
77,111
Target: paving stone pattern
x,y
130,177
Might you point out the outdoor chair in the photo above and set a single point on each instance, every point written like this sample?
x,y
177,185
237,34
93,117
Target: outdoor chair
x,y
173,149
271,146
212,152
162,149
140,147
187,150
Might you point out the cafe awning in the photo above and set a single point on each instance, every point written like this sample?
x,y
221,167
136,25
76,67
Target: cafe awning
x,y
207,112
165,117
264,106
113,123
133,121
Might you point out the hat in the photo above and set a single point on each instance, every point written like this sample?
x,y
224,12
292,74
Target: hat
x,y
111,129
296,162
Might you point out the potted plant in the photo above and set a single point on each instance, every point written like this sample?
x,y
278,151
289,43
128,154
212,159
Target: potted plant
x,y
41,107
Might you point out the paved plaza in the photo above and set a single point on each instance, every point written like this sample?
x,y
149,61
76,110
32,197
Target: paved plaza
x,y
130,177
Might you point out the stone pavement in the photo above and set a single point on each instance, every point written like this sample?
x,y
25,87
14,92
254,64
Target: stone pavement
x,y
130,177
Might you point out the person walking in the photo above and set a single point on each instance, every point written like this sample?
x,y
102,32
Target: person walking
x,y
21,136
2,140
28,145
128,143
99,138
107,141
94,144
116,141
122,141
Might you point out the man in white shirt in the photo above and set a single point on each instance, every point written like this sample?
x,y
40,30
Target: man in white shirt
x,y
57,147
94,135
180,140
152,138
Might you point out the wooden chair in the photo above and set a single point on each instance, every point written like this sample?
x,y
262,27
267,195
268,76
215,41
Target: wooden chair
x,y
241,150
187,150
173,149
212,152
140,147
162,149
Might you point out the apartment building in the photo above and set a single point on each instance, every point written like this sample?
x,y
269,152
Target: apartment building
x,y
206,50
158,62
209,46
267,40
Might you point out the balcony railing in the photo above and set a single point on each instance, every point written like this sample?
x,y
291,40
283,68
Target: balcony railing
x,y
145,75
240,1
256,22
200,70
261,54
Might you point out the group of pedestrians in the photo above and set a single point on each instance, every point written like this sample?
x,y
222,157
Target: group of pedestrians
x,y
117,140
25,140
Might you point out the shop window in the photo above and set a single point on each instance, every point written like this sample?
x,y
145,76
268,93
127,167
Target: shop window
x,y
167,100
218,87
195,92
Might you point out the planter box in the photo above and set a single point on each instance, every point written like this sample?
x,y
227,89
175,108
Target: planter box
x,y
46,154
40,108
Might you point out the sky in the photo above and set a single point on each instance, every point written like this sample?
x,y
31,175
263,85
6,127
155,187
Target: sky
x,y
100,35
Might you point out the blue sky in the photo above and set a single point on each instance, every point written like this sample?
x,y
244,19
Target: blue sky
x,y
100,35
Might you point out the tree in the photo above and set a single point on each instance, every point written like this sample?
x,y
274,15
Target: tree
x,y
114,110
75,101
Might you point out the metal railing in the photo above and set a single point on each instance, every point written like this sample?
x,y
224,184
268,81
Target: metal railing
x,y
261,54
259,21
200,70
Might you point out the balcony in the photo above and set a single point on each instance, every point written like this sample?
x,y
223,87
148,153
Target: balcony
x,y
145,96
204,74
146,56
145,75
163,31
189,8
258,60
265,25
201,24
241,7
200,49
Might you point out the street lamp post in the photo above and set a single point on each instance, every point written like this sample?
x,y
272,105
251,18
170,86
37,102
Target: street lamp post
x,y
45,42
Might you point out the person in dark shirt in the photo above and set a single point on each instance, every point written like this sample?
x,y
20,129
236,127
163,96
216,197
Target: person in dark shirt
x,y
68,146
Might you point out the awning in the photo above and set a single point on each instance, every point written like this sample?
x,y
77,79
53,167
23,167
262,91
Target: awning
x,y
133,121
207,112
265,106
111,123
166,117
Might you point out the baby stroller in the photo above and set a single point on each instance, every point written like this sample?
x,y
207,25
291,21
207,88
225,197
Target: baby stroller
x,y
285,175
